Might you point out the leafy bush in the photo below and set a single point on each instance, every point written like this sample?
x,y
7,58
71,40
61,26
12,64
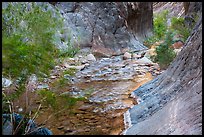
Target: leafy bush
x,y
164,54
150,41
70,101
49,98
28,32
70,71
58,102
28,29
70,51
20,59
160,24
178,25
159,28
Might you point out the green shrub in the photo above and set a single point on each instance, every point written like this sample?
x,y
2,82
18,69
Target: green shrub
x,y
49,98
160,24
70,71
20,59
150,41
27,40
70,51
159,28
70,101
178,25
28,48
57,102
60,83
164,54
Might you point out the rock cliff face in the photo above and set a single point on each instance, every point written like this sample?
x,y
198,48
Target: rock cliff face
x,y
139,19
192,11
108,28
172,102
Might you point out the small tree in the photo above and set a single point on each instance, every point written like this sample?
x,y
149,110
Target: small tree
x,y
164,54
27,41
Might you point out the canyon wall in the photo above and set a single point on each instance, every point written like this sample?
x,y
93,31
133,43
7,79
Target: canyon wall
x,y
172,102
108,28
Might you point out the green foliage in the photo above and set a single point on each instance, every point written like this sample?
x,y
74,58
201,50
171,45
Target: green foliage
x,y
89,91
165,54
150,41
58,102
62,81
20,59
160,28
70,71
70,101
28,39
160,24
178,25
49,98
71,50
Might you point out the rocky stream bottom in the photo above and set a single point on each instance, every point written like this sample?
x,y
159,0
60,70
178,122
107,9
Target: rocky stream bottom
x,y
111,81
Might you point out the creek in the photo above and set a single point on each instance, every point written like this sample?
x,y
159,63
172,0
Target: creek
x,y
109,82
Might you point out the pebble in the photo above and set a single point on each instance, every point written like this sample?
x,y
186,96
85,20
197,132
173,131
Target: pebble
x,y
6,82
53,77
91,57
127,56
20,109
60,128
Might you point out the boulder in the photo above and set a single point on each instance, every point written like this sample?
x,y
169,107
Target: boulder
x,y
6,82
136,56
43,86
90,57
33,129
144,60
83,60
178,44
177,51
127,56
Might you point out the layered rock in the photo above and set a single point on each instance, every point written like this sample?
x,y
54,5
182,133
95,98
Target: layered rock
x,y
172,102
192,11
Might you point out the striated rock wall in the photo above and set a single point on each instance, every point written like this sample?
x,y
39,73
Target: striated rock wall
x,y
172,102
192,11
108,28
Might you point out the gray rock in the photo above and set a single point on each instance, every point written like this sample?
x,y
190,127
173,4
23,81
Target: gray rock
x,y
127,56
136,56
76,67
7,128
174,97
89,20
6,82
91,57
144,60
43,86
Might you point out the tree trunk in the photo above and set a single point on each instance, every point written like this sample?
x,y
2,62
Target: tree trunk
x,y
172,102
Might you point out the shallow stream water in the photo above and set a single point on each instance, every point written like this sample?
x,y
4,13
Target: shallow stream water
x,y
111,82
